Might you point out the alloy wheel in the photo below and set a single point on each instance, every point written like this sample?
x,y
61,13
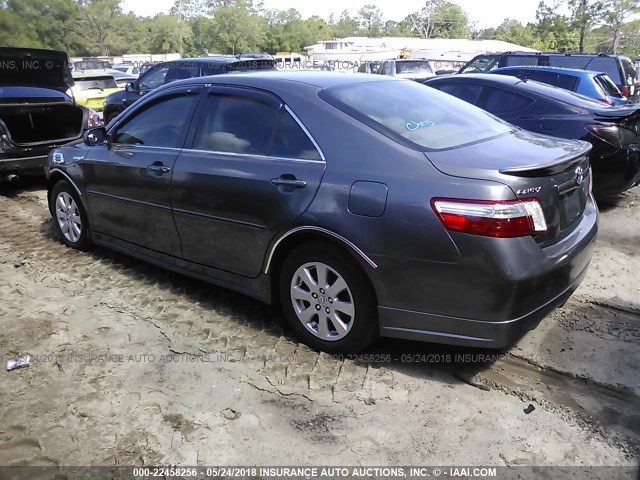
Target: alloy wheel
x,y
322,301
68,216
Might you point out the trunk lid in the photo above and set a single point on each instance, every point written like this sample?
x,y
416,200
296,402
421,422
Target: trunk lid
x,y
35,67
551,170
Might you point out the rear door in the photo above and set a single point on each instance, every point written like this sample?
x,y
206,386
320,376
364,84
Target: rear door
x,y
250,170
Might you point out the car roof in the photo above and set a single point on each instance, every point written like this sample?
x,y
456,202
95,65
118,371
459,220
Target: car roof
x,y
527,86
319,79
578,72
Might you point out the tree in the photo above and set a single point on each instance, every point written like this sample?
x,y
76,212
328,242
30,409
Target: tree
x,y
616,13
235,28
554,31
98,16
188,9
346,26
168,34
513,31
370,20
440,19
587,14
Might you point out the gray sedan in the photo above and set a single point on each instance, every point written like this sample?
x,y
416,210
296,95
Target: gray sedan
x,y
363,205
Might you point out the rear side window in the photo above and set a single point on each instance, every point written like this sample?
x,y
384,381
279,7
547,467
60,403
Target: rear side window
x,y
236,124
290,141
415,115
608,65
520,60
556,79
464,91
501,102
568,61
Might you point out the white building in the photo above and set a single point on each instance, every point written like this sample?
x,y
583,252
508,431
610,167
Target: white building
x,y
444,53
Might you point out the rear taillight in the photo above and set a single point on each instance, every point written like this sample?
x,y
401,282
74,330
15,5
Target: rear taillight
x,y
625,90
614,134
590,180
503,219
606,100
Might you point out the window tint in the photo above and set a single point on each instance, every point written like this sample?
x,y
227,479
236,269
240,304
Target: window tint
x,y
236,124
290,141
520,60
499,102
409,113
608,65
557,79
568,61
464,91
159,125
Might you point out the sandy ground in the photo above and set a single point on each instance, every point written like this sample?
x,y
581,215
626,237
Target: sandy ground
x,y
136,365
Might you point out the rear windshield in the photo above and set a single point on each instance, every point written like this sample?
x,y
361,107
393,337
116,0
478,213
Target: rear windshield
x,y
607,85
95,83
413,66
415,115
480,65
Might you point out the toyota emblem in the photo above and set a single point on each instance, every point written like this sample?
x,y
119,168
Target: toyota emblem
x,y
579,176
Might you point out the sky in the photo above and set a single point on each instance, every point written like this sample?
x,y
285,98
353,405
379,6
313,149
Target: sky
x,y
487,13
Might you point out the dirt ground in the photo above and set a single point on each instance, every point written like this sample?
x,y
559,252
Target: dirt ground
x,y
135,365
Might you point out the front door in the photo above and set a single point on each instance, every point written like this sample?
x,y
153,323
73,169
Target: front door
x,y
128,181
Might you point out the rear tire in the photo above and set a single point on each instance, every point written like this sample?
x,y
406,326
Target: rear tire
x,y
327,299
69,216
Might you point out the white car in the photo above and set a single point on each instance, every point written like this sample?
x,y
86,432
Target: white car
x,y
127,68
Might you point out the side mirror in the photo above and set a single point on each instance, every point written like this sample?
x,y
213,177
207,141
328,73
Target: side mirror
x,y
95,136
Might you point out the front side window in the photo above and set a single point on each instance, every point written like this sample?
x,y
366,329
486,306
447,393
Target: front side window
x,y
410,114
161,124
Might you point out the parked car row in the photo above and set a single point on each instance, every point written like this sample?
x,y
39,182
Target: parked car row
x,y
612,131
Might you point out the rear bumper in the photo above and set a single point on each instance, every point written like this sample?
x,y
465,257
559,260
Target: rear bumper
x,y
424,327
616,173
20,165
495,292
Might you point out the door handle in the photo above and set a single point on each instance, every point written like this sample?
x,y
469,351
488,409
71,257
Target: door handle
x,y
159,168
289,182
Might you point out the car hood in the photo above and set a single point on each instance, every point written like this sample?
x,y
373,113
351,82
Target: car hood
x,y
35,68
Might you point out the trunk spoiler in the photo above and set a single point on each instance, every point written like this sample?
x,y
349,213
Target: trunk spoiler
x,y
559,165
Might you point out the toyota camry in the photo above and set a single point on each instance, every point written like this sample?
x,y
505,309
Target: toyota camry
x,y
362,205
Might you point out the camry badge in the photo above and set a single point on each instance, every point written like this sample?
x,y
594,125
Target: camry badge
x,y
526,191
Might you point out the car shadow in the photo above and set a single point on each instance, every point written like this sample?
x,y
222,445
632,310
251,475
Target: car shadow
x,y
483,369
24,184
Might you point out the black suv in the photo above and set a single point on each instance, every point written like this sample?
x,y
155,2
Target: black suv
x,y
167,72
618,67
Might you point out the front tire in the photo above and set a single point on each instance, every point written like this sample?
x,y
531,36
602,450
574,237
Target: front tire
x,y
327,299
69,216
